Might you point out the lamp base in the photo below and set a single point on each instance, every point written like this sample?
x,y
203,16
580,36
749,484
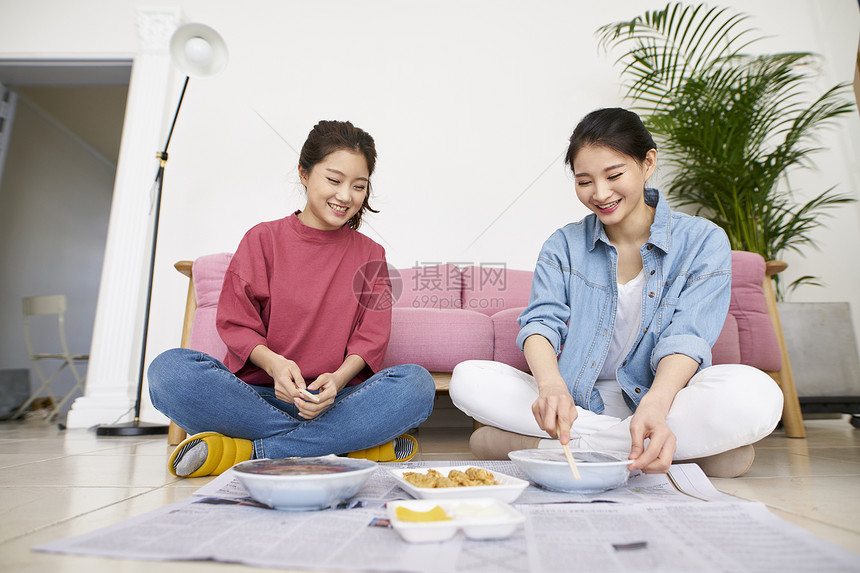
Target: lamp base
x,y
136,428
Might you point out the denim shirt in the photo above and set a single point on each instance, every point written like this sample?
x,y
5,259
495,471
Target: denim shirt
x,y
687,265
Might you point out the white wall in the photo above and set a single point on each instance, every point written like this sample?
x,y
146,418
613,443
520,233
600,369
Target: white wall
x,y
471,104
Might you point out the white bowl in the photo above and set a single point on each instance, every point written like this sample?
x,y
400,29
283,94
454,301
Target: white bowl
x,y
508,489
302,484
548,468
477,518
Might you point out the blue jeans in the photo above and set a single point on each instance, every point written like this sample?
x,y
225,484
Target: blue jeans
x,y
201,395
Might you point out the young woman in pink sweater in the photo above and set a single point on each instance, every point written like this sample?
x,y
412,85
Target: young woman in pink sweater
x,y
305,313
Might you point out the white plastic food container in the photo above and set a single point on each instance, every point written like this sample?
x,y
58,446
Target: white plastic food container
x,y
477,518
508,489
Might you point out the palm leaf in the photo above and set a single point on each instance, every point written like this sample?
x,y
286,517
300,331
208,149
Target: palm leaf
x,y
730,124
665,46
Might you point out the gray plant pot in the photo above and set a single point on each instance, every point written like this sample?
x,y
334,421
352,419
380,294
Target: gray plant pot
x,y
819,337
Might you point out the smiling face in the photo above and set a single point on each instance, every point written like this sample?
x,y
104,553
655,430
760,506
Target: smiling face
x,y
336,188
612,185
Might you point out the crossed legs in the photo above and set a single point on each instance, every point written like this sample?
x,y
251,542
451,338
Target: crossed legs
x,y
201,395
722,408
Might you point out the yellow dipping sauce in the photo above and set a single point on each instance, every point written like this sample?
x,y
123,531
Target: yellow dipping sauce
x,y
434,514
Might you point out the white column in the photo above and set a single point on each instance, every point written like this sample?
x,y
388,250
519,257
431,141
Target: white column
x,y
112,375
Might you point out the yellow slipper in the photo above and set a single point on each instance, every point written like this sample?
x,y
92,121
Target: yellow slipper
x,y
401,449
208,454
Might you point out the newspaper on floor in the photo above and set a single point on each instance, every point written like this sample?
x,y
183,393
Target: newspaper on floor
x,y
650,534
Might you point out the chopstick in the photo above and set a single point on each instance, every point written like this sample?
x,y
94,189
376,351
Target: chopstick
x,y
567,453
309,396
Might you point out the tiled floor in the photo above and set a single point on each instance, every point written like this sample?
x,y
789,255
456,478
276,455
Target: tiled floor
x,y
56,484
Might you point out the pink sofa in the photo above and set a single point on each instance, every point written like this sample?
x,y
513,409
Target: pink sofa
x,y
444,314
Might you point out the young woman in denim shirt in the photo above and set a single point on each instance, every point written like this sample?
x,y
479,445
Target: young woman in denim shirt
x,y
624,308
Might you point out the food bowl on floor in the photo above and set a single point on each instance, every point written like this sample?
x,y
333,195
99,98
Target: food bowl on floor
x,y
304,484
548,468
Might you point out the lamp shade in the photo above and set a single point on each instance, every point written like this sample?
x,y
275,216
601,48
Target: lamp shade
x,y
198,50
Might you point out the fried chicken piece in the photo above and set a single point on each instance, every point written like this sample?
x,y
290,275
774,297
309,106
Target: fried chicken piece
x,y
445,482
419,480
481,475
462,479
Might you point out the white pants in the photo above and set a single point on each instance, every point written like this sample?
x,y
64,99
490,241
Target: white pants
x,y
721,408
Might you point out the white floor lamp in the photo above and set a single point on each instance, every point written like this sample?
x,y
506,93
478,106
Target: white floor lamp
x,y
198,51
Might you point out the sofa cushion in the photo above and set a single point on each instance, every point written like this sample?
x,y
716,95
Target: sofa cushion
x,y
208,272
490,289
436,287
437,339
505,330
756,338
726,349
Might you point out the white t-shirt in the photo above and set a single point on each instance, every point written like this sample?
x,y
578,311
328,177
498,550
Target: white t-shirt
x,y
628,316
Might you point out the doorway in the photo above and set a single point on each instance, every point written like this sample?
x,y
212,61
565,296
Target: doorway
x,y
56,188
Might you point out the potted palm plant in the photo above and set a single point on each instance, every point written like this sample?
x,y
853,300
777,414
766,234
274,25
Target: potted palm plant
x,y
730,124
